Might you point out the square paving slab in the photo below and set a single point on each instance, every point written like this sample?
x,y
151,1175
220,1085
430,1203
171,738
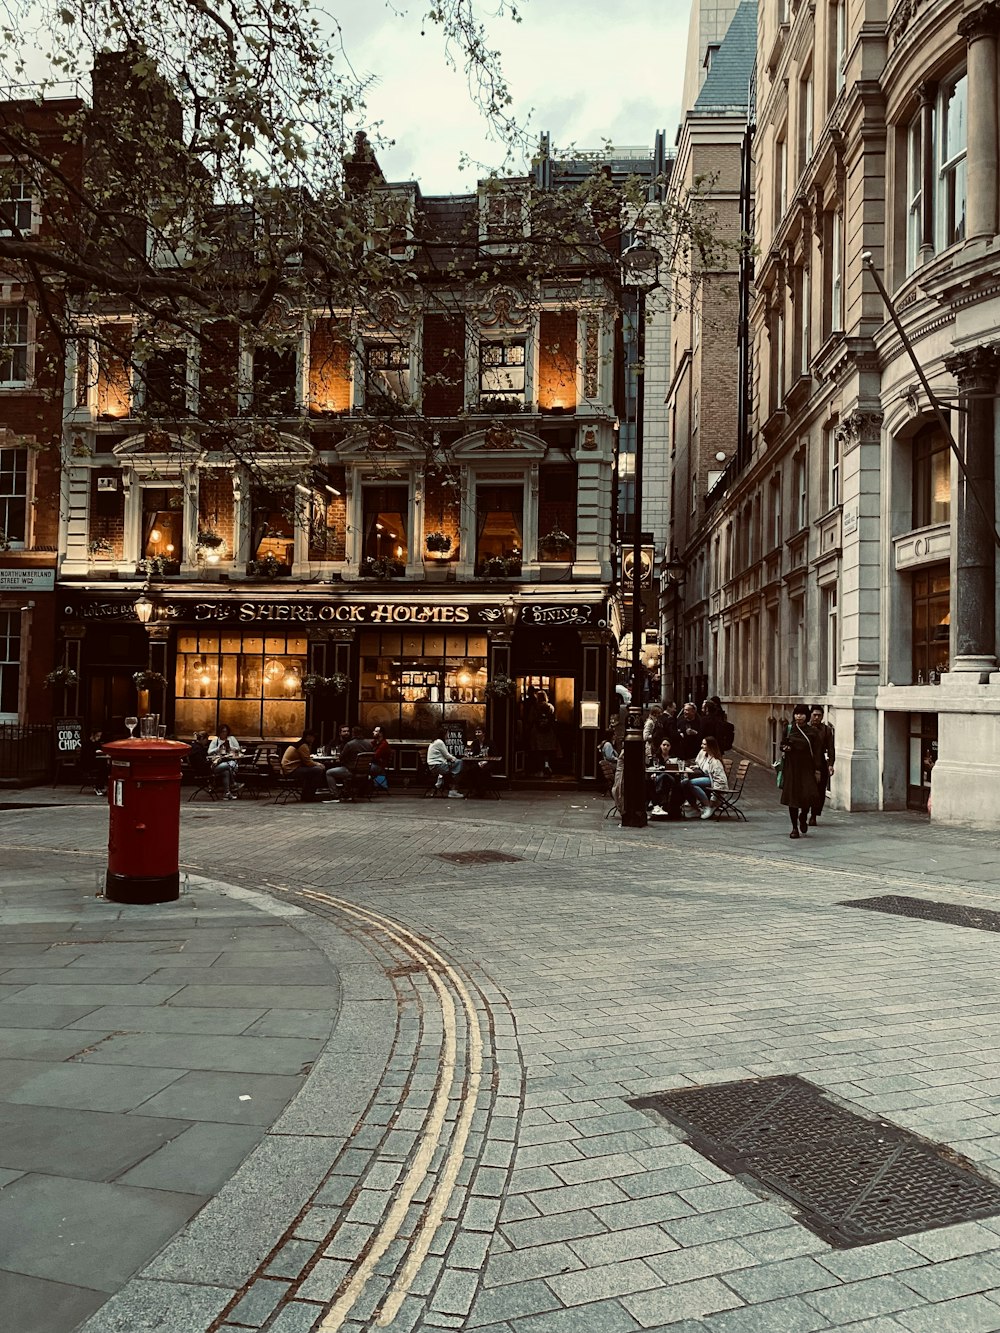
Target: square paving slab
x,y
91,1145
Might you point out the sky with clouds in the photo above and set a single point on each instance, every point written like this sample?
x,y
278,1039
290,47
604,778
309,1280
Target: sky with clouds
x,y
585,70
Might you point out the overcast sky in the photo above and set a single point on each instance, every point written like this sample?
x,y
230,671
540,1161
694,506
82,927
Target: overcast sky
x,y
585,70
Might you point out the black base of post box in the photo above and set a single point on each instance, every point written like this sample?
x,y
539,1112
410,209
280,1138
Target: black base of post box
x,y
140,889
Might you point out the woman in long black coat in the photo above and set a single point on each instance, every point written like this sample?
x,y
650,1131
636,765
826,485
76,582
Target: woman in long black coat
x,y
802,756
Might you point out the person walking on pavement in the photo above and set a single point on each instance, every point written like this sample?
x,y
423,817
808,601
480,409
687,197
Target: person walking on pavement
x,y
800,770
825,733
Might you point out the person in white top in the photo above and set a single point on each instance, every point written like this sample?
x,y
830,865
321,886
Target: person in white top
x,y
699,790
443,764
223,753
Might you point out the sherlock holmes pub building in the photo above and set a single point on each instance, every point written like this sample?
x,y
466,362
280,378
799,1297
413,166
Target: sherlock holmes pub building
x,y
412,526
847,557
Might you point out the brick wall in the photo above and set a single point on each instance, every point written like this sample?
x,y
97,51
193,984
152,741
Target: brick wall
x,y
557,360
219,366
444,365
329,368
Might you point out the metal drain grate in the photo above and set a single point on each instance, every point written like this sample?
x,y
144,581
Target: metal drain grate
x,y
476,858
975,918
853,1181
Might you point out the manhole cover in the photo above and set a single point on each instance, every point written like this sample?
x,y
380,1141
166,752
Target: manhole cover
x,y
853,1181
476,858
975,918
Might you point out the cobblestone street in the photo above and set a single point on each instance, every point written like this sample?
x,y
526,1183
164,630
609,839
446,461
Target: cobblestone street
x,y
460,1151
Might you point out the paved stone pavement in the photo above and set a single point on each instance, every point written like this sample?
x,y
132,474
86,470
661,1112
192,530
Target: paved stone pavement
x,y
460,1152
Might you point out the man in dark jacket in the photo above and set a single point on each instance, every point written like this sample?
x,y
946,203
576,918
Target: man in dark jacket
x,y
825,733
685,740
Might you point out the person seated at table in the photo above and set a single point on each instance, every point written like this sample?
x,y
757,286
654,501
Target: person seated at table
x,y
356,744
608,752
223,754
443,764
381,760
197,758
698,790
297,763
478,743
94,762
666,790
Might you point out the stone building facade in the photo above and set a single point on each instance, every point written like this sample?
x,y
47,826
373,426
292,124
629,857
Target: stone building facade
x,y
853,558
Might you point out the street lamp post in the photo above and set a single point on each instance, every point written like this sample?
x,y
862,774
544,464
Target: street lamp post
x,y
640,270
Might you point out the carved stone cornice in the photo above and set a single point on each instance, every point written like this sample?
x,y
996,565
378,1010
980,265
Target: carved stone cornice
x,y
975,368
861,427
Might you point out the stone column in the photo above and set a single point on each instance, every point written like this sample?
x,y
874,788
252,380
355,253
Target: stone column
x,y
857,782
973,574
927,92
979,28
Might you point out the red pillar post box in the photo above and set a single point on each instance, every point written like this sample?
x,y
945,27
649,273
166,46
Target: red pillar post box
x,y
144,805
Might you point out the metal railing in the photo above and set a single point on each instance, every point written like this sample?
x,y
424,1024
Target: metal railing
x,y
25,752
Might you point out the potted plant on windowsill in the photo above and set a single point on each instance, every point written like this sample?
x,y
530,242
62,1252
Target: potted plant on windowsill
x,y
268,567
156,566
101,548
378,568
500,567
439,543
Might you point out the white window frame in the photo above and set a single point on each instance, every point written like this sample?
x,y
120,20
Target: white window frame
x,y
139,386
18,308
15,619
836,273
510,200
34,209
781,176
805,339
808,115
951,184
518,339
801,476
19,543
914,191
840,45
832,467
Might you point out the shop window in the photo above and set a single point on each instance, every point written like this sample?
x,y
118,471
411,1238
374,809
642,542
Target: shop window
x,y
252,683
931,478
951,169
384,523
411,684
14,345
275,381
830,639
931,624
272,535
13,497
387,374
832,445
164,381
10,664
922,753
501,371
162,535
499,526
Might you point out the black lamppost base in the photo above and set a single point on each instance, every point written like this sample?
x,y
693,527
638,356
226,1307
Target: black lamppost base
x,y
634,776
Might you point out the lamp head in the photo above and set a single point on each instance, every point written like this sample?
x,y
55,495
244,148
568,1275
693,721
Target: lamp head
x,y
144,606
640,263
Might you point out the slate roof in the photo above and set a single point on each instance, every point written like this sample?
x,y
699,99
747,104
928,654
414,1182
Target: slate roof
x,y
725,89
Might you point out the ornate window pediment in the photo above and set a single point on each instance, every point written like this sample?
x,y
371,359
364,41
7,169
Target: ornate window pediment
x,y
381,441
158,452
498,440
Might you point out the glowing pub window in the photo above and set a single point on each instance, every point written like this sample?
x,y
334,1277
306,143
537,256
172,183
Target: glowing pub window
x,y
251,682
162,525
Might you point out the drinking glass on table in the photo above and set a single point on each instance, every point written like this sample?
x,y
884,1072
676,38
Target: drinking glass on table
x,y
131,723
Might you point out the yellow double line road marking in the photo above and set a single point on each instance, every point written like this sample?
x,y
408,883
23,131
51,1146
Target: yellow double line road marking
x,y
439,972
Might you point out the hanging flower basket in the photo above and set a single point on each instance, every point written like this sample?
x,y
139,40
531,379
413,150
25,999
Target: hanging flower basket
x,y
149,680
156,565
555,541
501,687
100,546
438,541
64,676
209,540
